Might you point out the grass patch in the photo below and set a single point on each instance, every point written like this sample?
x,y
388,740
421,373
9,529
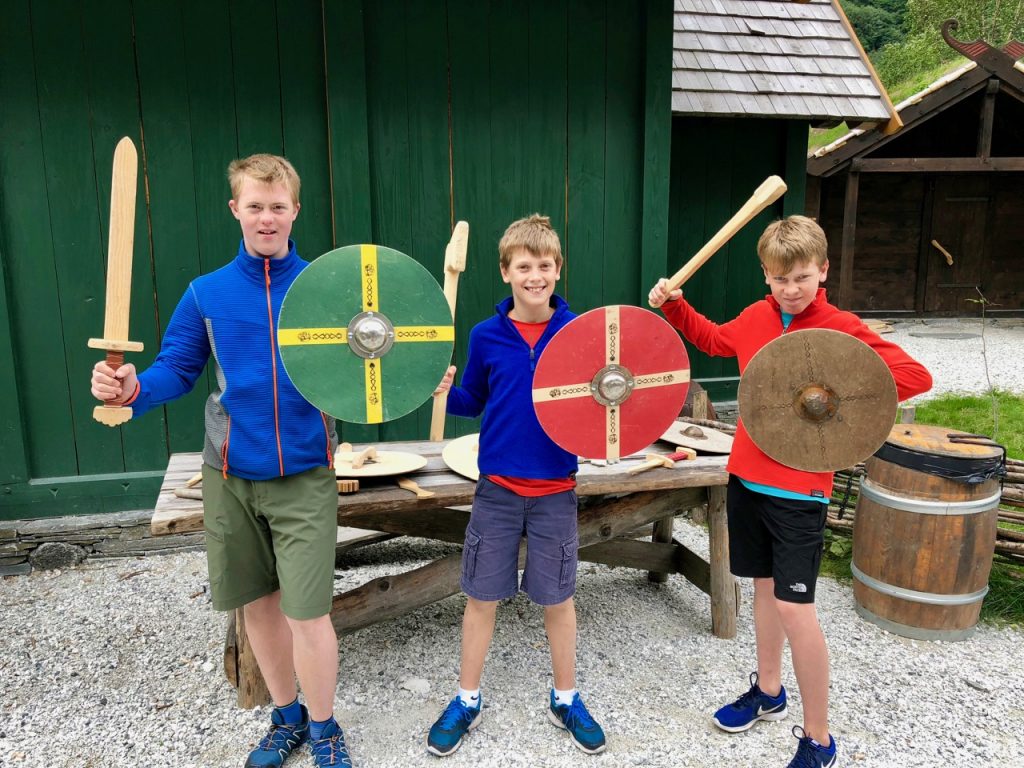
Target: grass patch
x,y
1000,416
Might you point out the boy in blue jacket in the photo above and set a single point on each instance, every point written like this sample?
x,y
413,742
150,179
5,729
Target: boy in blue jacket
x,y
269,494
526,487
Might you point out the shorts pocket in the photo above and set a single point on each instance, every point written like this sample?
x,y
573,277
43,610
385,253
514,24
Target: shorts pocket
x,y
570,559
470,550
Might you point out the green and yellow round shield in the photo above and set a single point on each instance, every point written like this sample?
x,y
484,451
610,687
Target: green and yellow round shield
x,y
365,334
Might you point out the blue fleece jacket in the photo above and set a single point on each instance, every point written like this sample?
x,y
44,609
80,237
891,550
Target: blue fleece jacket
x,y
498,381
258,426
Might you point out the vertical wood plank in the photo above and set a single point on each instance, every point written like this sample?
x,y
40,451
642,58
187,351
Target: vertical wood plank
x,y
657,144
110,57
349,142
849,241
584,241
172,188
72,197
256,65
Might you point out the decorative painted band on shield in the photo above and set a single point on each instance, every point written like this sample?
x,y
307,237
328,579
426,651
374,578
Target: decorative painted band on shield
x,y
365,334
610,382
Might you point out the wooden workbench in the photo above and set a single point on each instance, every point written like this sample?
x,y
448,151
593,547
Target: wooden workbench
x,y
614,507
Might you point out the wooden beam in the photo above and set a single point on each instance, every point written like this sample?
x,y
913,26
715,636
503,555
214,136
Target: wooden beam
x,y
895,123
671,557
937,164
849,240
924,247
988,110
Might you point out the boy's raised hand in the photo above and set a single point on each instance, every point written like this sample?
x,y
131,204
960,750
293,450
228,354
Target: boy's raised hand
x,y
113,387
660,294
446,382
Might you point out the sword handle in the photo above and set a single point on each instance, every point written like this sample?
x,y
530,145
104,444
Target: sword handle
x,y
113,415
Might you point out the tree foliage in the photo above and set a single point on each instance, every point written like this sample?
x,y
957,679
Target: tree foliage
x,y
923,49
876,22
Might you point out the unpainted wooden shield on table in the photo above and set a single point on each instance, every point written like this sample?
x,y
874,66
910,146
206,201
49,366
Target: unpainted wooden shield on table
x,y
703,439
610,382
381,464
365,334
460,455
817,400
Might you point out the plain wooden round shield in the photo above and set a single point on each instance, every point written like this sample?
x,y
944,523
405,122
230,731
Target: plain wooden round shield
x,y
817,400
383,464
365,334
460,455
610,382
703,439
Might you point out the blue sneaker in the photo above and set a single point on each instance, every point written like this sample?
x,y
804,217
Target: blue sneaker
x,y
810,754
330,749
752,706
455,722
280,741
574,718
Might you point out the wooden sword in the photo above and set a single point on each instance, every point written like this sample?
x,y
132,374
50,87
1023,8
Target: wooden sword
x,y
119,273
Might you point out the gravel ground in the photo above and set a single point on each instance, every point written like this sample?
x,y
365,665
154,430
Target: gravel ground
x,y
118,662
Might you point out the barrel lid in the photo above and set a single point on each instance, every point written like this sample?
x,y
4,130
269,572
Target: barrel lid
x,y
936,441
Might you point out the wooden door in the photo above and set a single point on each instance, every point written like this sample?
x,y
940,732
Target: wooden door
x,y
958,225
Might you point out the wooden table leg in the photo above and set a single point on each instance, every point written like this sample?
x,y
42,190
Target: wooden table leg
x,y
724,592
662,535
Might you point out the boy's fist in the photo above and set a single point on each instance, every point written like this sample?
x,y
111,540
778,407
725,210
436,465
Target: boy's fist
x,y
660,294
446,382
113,387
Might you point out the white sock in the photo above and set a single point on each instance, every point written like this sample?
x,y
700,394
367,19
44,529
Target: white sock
x,y
470,698
564,698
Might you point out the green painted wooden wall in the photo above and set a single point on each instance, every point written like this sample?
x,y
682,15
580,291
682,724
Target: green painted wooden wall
x,y
402,117
717,163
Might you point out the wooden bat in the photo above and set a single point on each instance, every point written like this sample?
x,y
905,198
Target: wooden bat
x,y
771,189
454,264
655,460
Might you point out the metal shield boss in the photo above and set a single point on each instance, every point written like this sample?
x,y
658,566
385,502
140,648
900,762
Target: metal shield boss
x,y
365,334
817,400
610,382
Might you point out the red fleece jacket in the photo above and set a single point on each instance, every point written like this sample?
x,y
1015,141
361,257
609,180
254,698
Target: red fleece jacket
x,y
759,324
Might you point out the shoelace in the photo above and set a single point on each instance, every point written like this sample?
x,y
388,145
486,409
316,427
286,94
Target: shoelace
x,y
805,752
453,714
747,698
277,736
578,714
330,748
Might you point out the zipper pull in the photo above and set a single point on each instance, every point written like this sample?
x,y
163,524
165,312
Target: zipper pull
x,y
266,272
533,355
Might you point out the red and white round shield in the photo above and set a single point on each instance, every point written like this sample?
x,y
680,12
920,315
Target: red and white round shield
x,y
611,382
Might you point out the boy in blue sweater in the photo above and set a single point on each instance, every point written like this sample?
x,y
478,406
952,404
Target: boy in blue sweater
x,y
269,494
526,487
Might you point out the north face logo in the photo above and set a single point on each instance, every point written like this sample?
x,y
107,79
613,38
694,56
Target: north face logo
x,y
798,587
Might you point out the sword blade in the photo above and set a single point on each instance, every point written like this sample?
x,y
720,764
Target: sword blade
x,y
121,241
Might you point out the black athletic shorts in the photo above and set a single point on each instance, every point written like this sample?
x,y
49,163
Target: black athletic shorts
x,y
771,537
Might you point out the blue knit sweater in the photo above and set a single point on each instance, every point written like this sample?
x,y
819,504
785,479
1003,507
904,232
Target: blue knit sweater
x,y
498,381
257,424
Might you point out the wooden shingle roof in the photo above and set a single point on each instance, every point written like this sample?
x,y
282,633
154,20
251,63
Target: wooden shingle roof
x,y
771,58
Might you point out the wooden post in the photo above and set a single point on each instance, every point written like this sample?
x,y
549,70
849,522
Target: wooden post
x,y
700,410
252,690
724,594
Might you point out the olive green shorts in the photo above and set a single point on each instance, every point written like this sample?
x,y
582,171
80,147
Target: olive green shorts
x,y
266,535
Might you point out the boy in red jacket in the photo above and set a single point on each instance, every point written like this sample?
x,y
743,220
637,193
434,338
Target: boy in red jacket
x,y
776,513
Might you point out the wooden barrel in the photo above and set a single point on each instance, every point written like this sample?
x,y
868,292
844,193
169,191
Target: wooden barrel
x,y
925,531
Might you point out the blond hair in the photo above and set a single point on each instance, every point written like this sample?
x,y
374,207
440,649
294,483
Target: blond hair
x,y
266,169
534,234
792,241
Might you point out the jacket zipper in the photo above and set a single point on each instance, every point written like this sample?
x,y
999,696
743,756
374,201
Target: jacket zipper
x,y
273,365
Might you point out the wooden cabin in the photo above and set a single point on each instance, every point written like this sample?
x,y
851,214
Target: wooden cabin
x,y
929,220
638,127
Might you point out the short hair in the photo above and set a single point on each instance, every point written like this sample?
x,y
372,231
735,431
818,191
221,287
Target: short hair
x,y
792,241
535,234
266,169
